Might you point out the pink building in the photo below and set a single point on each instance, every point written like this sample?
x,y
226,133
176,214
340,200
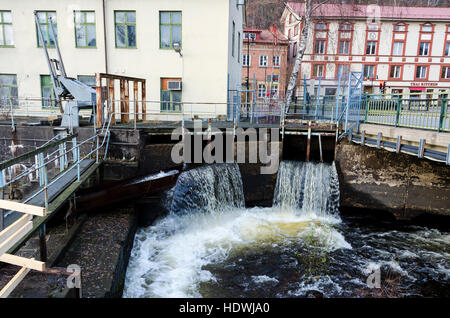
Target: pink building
x,y
264,61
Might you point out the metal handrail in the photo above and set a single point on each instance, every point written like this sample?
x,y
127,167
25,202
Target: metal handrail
x,y
103,131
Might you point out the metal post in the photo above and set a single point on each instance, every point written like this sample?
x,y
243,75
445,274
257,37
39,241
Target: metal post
x,y
318,98
42,243
443,114
338,93
320,148
421,149
2,212
61,158
74,149
447,160
96,151
379,136
398,144
348,102
41,170
78,164
45,188
397,113
363,138
308,144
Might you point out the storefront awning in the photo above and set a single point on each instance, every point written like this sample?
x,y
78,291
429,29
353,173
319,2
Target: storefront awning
x,y
417,88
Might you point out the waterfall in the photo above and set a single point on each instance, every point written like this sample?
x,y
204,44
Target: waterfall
x,y
208,223
308,188
209,189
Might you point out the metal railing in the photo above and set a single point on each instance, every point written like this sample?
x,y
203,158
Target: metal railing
x,y
63,157
408,110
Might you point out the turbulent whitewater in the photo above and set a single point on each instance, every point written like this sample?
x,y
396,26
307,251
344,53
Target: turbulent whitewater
x,y
210,245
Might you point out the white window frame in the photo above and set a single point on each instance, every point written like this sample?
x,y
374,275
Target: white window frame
x,y
426,47
276,60
321,46
322,66
395,48
261,90
246,58
263,61
446,72
372,73
373,47
422,67
397,71
346,47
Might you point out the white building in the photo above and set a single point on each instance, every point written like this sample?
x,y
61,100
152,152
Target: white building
x,y
133,38
406,48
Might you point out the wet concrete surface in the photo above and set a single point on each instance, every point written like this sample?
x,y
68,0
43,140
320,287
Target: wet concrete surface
x,y
100,249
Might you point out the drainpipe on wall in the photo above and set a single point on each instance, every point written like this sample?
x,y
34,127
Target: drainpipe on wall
x,y
104,37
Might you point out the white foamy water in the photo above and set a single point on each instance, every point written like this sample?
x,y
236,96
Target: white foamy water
x,y
210,244
209,224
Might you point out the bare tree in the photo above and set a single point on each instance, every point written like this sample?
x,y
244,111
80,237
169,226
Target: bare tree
x,y
310,7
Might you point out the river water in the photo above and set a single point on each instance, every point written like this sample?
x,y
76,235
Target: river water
x,y
210,245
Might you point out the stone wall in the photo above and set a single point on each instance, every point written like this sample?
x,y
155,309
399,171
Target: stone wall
x,y
399,183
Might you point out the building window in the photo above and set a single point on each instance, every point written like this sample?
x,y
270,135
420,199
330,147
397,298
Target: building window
x,y
400,28
239,46
272,78
263,61
427,28
8,90
321,26
395,71
445,74
294,49
372,27
274,91
318,70
344,47
45,19
246,59
371,47
125,23
447,49
369,71
170,98
232,39
343,68
6,31
421,71
424,48
89,80
251,36
170,29
319,47
85,29
276,60
346,27
261,90
397,48
47,93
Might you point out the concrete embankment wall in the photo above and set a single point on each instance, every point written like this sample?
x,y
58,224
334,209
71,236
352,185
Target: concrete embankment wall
x,y
399,183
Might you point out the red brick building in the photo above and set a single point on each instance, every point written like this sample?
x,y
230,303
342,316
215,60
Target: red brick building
x,y
264,60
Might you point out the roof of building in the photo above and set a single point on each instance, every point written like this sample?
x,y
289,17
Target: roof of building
x,y
386,12
266,36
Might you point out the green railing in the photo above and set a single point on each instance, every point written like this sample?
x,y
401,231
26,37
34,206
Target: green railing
x,y
407,110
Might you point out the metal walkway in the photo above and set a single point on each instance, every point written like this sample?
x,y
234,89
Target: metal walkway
x,y
53,191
